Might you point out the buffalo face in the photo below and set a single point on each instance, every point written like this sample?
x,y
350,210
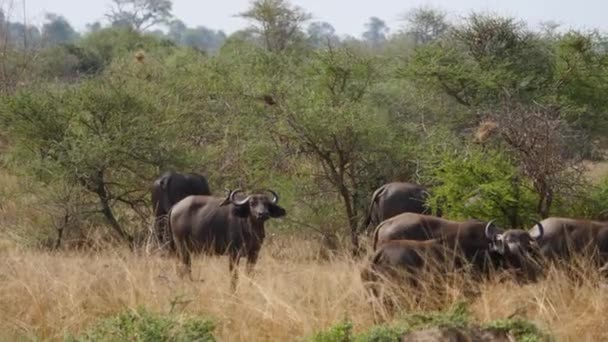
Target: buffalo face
x,y
517,247
512,241
260,207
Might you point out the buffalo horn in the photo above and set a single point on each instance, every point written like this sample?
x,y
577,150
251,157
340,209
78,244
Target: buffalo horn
x,y
487,230
275,197
241,202
541,229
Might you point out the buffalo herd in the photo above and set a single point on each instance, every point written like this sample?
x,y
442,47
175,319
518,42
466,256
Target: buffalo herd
x,y
407,236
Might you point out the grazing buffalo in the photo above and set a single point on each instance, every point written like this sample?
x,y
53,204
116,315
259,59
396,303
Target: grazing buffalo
x,y
395,198
478,241
219,226
169,189
562,238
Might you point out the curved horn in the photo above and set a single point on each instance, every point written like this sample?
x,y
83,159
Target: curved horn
x,y
541,229
275,197
487,230
241,202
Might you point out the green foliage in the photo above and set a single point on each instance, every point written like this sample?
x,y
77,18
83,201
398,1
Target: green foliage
x,y
110,136
69,61
522,330
581,68
278,23
144,326
325,125
485,59
483,185
113,43
381,333
588,201
338,333
458,316
57,30
140,14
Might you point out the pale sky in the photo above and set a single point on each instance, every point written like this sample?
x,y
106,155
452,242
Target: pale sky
x,y
347,16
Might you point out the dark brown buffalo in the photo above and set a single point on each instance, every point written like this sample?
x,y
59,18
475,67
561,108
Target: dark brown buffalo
x,y
393,199
445,246
564,238
170,188
480,243
220,226
408,257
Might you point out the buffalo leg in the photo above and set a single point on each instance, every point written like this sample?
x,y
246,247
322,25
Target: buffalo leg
x,y
252,259
234,270
186,261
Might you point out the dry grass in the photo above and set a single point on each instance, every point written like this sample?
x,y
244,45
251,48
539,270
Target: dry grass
x,y
596,171
47,295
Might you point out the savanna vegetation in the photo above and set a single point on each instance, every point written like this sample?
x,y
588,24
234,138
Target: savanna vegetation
x,y
499,120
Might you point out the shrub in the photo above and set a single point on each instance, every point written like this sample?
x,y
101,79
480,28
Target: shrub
x,y
484,185
144,326
522,330
456,317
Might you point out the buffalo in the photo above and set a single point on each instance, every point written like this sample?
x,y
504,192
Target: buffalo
x,y
396,257
479,242
169,189
395,198
562,238
220,226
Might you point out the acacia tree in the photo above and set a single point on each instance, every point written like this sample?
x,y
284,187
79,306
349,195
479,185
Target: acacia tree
x,y
57,30
546,148
425,24
140,14
277,22
327,117
483,60
321,33
376,31
110,137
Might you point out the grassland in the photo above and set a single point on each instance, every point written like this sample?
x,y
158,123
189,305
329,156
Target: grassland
x,y
293,294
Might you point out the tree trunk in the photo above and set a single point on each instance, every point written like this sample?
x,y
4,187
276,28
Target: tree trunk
x,y
514,215
352,220
60,230
545,206
545,201
106,209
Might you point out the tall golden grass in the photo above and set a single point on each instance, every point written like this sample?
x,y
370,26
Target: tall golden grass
x,y
293,294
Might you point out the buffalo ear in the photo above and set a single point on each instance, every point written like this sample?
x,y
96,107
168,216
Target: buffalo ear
x,y
226,201
276,211
241,211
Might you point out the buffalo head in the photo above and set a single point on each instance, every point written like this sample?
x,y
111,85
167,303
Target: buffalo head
x,y
516,246
512,241
260,207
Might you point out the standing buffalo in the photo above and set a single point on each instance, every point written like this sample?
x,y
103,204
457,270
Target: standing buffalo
x,y
218,226
169,189
395,198
478,241
562,238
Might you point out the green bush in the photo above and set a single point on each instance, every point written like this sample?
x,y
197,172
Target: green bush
x,y
588,201
482,185
341,332
458,316
522,330
144,326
